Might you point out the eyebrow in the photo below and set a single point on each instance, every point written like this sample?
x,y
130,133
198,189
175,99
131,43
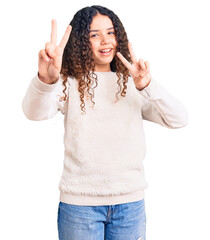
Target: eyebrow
x,y
99,30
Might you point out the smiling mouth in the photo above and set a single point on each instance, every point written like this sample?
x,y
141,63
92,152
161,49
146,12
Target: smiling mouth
x,y
105,50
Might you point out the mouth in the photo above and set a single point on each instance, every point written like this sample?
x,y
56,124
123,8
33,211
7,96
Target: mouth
x,y
106,52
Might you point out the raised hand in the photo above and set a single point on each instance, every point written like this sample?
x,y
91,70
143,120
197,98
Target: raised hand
x,y
139,70
50,58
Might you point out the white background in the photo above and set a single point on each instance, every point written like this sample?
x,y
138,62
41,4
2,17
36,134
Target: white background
x,y
174,37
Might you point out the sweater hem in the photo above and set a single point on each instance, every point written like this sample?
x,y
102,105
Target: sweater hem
x,y
85,200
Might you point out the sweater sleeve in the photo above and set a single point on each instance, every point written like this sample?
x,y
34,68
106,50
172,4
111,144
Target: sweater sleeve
x,y
161,107
41,100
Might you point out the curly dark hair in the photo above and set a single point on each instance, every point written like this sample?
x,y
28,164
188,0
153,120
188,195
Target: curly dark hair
x,y
77,59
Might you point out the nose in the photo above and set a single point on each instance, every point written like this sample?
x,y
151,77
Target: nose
x,y
105,40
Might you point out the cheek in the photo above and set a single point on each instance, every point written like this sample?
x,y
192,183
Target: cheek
x,y
93,50
94,46
114,42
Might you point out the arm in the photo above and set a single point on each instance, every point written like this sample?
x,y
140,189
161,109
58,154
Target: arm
x,y
42,97
42,100
161,107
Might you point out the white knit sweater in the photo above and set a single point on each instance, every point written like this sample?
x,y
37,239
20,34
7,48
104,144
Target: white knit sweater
x,y
104,149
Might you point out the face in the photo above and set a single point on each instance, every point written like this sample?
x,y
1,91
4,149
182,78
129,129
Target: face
x,y
103,42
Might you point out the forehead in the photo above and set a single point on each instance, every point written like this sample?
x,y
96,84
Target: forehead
x,y
100,22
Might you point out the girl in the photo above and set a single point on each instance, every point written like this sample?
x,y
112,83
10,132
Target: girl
x,y
94,78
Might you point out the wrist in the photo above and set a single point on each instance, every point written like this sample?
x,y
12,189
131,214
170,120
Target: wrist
x,y
47,80
146,85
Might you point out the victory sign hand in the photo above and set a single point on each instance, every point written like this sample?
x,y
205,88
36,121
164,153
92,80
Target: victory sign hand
x,y
50,58
139,70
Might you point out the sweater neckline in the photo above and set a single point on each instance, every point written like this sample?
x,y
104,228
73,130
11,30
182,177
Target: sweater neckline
x,y
104,72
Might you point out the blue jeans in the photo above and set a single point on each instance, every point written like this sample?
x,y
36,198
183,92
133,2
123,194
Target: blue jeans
x,y
125,221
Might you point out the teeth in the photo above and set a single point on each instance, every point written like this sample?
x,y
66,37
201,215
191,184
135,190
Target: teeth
x,y
107,50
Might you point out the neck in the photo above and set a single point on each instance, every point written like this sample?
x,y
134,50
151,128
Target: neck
x,y
102,68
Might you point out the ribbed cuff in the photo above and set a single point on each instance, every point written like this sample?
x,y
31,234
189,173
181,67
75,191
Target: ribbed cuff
x,y
43,87
151,90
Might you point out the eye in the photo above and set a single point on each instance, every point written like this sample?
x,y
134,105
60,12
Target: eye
x,y
94,35
111,32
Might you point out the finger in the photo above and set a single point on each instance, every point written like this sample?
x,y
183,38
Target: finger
x,y
49,50
43,55
147,65
123,60
65,38
53,39
133,56
142,65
